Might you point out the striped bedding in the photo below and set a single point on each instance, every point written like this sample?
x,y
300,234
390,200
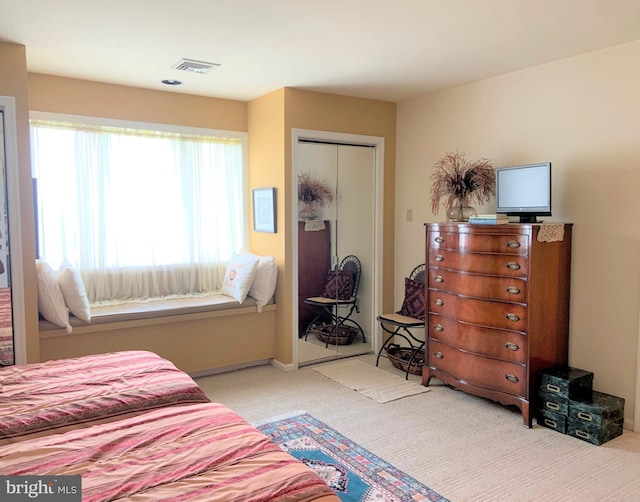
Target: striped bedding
x,y
195,452
54,396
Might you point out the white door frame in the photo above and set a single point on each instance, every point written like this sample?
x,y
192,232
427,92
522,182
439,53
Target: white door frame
x,y
8,107
356,139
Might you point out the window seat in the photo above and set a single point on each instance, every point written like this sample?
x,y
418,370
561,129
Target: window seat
x,y
134,311
200,334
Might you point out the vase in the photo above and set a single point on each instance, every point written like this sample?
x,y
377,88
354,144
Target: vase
x,y
308,211
460,210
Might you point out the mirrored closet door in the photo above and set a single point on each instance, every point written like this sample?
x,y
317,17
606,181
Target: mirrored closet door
x,y
6,320
336,251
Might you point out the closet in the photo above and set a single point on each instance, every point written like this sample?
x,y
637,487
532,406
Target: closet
x,y
12,328
344,227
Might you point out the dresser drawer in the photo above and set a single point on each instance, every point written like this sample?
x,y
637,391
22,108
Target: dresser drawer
x,y
500,344
478,263
478,370
490,287
510,243
494,314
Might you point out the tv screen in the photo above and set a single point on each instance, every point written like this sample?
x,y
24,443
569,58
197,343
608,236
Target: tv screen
x,y
524,191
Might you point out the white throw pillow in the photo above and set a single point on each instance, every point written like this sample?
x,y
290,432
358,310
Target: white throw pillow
x,y
264,283
239,276
50,300
73,291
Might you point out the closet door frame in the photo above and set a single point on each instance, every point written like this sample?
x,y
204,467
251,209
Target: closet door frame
x,y
354,139
8,107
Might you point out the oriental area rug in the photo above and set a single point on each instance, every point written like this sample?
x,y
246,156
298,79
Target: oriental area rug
x,y
353,472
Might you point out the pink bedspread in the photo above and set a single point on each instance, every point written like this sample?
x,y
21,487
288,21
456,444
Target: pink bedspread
x,y
196,452
45,398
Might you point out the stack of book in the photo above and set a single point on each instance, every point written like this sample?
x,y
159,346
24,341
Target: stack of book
x,y
489,219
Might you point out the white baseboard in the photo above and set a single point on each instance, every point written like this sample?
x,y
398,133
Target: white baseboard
x,y
282,366
225,369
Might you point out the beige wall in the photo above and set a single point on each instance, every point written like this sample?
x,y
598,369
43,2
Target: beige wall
x,y
266,158
13,82
329,112
82,97
269,121
583,115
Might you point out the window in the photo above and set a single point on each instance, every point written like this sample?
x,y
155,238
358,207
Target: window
x,y
142,212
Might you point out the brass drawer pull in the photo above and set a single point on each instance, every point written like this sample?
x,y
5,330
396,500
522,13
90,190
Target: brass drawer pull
x,y
438,327
439,257
553,388
512,317
512,265
550,423
513,290
512,378
439,239
583,435
439,355
552,406
513,244
512,346
439,278
585,416
439,302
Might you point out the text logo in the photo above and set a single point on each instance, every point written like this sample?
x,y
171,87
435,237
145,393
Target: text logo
x,y
44,488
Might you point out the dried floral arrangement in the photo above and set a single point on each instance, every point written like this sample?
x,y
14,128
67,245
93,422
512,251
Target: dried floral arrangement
x,y
457,180
310,190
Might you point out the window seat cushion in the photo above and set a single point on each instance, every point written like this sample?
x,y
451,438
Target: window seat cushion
x,y
157,308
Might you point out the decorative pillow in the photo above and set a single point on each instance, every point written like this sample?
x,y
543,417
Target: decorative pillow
x,y
264,283
339,284
413,304
239,276
73,291
50,300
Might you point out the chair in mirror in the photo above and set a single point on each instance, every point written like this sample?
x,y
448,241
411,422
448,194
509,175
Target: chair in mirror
x,y
334,309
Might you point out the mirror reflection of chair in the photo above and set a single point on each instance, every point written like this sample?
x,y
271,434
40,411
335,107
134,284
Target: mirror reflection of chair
x,y
339,300
411,316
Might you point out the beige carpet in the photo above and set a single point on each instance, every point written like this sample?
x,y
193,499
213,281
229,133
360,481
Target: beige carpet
x,y
463,447
370,381
309,351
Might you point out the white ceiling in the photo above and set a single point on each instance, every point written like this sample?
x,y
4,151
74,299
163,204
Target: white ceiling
x,y
380,49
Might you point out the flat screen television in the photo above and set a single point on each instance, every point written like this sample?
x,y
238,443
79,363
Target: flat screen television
x,y
524,191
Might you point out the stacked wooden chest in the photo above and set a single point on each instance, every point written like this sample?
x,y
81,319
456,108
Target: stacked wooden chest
x,y
567,403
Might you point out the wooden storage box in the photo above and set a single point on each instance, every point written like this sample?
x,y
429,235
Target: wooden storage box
x,y
553,402
608,430
552,420
596,420
566,383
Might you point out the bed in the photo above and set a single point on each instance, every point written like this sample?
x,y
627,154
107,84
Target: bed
x,y
136,428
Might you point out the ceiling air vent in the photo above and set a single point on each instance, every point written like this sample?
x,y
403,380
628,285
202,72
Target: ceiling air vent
x,y
194,66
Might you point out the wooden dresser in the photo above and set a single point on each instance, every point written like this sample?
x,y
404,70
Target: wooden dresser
x,y
497,302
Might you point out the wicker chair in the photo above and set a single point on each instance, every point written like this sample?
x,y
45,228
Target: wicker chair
x,y
400,325
337,310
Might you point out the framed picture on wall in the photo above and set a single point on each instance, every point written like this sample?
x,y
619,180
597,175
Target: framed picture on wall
x,y
264,210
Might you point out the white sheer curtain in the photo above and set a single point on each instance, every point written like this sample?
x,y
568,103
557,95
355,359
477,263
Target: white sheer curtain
x,y
142,214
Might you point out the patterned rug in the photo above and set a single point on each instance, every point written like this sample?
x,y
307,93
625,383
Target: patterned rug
x,y
354,473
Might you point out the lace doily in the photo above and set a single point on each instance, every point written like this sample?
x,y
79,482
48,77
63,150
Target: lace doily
x,y
313,225
551,232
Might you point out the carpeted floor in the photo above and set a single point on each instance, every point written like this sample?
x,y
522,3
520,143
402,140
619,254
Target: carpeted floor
x,y
463,447
353,472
